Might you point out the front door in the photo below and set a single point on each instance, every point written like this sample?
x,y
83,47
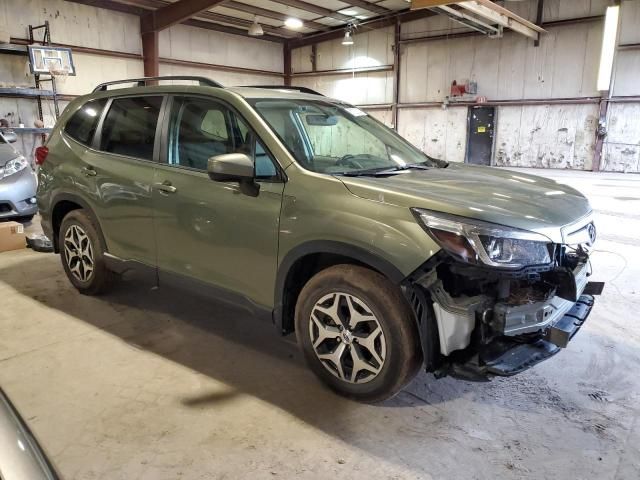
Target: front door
x,y
480,136
210,231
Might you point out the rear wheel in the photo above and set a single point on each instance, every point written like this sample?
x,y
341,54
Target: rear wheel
x,y
357,332
81,251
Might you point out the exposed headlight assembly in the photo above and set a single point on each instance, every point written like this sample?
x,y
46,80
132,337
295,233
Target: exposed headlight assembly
x,y
13,166
477,242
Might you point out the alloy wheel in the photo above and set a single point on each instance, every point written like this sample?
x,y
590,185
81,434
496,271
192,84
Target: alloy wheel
x,y
78,253
347,338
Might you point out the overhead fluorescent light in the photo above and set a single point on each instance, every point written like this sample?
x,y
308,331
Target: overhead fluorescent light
x,y
609,39
293,23
349,12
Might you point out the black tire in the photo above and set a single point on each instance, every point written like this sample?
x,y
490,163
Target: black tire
x,y
393,314
101,278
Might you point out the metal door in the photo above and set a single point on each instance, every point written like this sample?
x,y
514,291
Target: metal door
x,y
481,122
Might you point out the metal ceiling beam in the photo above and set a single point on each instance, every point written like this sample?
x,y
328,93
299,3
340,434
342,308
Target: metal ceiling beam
x,y
174,13
144,8
241,22
243,7
214,17
308,7
112,5
490,11
499,15
338,32
467,20
372,7
232,30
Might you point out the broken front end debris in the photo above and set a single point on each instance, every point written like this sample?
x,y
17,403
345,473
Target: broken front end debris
x,y
478,322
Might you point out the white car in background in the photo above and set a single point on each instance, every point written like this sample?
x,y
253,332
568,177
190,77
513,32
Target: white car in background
x,y
18,182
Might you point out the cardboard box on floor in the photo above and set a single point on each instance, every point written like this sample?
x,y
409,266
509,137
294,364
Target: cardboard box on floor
x,y
12,236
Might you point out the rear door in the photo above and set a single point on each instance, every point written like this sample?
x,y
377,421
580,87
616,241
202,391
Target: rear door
x,y
209,231
121,167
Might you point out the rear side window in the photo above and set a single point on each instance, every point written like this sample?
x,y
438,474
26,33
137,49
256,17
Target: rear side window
x,y
82,124
130,127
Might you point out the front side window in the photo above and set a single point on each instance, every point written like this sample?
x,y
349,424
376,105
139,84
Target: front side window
x,y
200,129
337,139
130,127
82,124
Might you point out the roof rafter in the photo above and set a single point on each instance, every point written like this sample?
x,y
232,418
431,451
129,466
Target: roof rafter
x,y
243,7
372,7
489,11
374,23
140,10
173,13
325,12
212,16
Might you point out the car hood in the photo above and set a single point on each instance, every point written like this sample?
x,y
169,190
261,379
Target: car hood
x,y
490,194
7,152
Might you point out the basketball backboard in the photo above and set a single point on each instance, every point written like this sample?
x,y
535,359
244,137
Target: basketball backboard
x,y
46,60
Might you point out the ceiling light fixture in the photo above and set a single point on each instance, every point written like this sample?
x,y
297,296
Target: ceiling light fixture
x,y
293,23
255,30
348,39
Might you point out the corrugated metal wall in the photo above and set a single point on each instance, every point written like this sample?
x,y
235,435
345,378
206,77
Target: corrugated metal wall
x,y
97,28
553,134
557,133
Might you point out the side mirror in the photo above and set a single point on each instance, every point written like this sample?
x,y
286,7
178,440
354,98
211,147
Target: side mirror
x,y
234,167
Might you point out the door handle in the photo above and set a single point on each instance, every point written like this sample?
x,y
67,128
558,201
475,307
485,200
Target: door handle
x,y
166,187
89,171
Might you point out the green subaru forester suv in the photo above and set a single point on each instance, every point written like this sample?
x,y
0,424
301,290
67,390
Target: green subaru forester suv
x,y
315,216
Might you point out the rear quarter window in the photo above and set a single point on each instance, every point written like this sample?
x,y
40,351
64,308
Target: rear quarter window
x,y
129,128
82,124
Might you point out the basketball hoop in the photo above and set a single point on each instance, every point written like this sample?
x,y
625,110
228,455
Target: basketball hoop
x,y
58,72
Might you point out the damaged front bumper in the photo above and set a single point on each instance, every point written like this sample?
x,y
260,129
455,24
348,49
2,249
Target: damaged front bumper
x,y
491,325
506,355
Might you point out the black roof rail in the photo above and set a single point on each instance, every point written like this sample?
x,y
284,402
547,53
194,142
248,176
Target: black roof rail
x,y
142,82
287,87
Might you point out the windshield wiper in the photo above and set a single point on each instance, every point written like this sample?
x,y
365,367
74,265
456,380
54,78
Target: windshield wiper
x,y
417,166
371,172
382,171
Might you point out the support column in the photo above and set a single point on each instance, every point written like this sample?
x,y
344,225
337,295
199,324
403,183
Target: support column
x,y
396,76
287,64
151,54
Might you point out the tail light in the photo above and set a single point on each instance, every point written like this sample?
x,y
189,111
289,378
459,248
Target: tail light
x,y
41,155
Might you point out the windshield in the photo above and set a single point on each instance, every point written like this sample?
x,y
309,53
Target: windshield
x,y
338,139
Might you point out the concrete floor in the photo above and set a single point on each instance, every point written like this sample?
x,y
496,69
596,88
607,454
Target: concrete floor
x,y
145,384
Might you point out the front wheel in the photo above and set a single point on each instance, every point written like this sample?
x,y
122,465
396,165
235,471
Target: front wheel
x,y
357,332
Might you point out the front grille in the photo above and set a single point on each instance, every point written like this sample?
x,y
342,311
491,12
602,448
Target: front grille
x,y
580,232
5,207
